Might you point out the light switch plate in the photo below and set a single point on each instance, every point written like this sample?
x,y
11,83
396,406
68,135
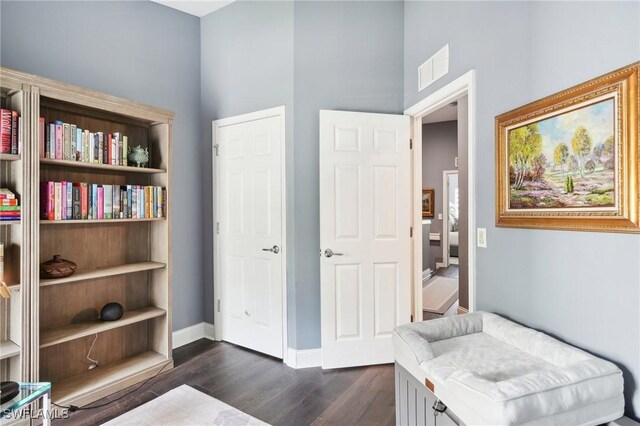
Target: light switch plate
x,y
439,216
482,237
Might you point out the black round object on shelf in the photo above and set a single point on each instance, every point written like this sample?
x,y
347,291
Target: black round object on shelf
x,y
111,312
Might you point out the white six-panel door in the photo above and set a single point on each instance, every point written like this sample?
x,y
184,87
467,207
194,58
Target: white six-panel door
x,y
250,234
365,243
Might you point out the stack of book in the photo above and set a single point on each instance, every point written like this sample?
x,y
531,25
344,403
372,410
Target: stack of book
x,y
10,132
9,206
64,141
86,201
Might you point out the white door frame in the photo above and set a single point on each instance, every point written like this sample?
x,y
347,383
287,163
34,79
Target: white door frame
x,y
244,118
463,85
445,215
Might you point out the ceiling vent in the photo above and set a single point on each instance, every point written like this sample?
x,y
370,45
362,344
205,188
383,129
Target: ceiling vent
x,y
433,68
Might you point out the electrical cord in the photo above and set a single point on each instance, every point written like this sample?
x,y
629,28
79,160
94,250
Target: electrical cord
x,y
94,363
73,408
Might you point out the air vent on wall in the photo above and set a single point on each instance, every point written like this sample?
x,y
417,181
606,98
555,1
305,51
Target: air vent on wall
x,y
433,68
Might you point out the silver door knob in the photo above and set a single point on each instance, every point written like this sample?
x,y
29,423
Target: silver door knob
x,y
329,253
274,249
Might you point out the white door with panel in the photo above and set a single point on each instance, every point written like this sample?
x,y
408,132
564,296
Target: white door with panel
x,y
250,233
365,212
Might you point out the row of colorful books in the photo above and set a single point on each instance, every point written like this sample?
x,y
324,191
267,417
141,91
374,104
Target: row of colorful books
x,y
10,132
86,201
64,141
9,206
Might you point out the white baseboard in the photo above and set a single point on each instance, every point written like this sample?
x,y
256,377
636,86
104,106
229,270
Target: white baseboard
x,y
439,265
304,358
203,330
426,274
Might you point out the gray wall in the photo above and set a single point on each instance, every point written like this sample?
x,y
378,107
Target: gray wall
x,y
140,51
439,150
583,288
247,65
348,56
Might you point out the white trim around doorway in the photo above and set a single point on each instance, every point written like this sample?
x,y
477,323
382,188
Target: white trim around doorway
x,y
244,118
446,255
463,85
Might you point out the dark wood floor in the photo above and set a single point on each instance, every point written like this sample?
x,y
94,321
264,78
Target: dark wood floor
x,y
265,388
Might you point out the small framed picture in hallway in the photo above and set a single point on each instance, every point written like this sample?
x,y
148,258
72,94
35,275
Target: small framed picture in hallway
x,y
428,196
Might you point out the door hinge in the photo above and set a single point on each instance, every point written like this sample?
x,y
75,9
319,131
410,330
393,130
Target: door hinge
x,y
217,148
218,305
410,143
217,227
411,232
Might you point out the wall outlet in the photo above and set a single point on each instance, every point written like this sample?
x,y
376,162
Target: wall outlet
x,y
482,237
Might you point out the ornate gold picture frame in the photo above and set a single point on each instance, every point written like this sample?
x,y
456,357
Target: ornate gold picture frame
x,y
571,160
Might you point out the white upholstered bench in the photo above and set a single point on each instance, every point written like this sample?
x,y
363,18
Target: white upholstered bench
x,y
490,371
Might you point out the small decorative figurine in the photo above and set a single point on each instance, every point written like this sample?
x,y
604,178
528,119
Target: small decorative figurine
x,y
138,156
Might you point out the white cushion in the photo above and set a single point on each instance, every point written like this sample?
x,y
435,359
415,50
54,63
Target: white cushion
x,y
489,370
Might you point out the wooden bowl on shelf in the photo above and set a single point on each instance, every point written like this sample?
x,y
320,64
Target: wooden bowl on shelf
x,y
57,268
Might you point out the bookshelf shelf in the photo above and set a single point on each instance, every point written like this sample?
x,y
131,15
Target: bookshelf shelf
x,y
105,379
99,221
8,349
9,157
104,272
70,332
100,167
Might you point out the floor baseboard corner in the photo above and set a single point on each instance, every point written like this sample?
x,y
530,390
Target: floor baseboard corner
x,y
304,358
203,330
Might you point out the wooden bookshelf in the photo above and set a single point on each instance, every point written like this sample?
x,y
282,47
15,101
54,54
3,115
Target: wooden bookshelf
x,y
108,271
15,175
102,167
119,260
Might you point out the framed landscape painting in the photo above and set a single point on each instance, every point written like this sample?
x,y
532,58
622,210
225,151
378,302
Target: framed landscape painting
x,y
571,160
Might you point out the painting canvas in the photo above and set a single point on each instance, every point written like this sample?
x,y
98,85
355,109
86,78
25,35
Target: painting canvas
x,y
570,160
564,161
428,202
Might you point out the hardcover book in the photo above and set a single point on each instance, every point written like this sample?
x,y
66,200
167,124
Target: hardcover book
x,y
73,144
84,201
108,201
100,201
76,212
5,131
66,136
14,132
52,141
57,206
59,141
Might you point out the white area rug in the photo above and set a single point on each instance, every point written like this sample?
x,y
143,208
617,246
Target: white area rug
x,y
185,406
439,295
